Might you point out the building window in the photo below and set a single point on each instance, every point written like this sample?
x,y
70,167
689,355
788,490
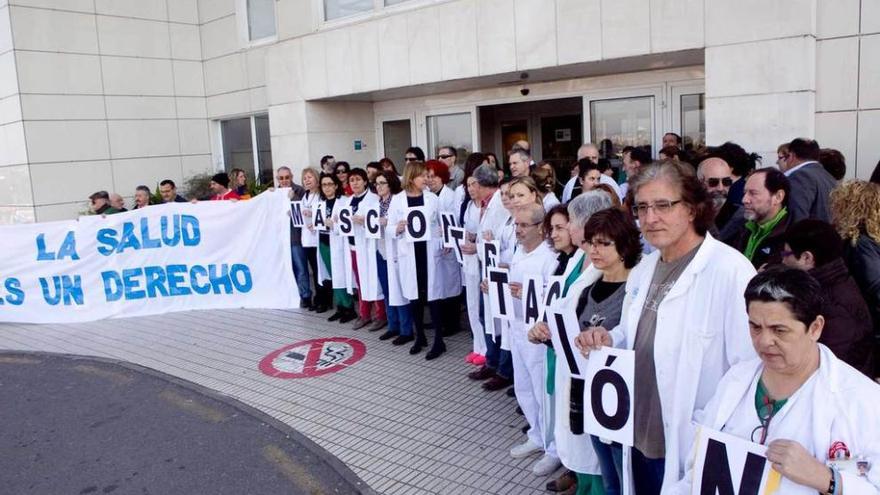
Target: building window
x,y
337,9
693,121
617,123
246,145
261,19
396,138
454,130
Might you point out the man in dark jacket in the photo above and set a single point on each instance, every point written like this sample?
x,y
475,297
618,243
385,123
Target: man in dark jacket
x,y
815,246
811,184
761,237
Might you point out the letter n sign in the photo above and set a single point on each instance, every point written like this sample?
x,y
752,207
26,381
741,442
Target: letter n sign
x,y
728,465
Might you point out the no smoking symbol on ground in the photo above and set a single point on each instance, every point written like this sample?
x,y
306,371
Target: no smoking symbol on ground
x,y
311,358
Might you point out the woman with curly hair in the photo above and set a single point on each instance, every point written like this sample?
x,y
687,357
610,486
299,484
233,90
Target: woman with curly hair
x,y
855,210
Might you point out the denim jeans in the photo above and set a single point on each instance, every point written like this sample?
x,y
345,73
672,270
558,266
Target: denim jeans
x,y
496,358
301,271
647,473
610,463
399,317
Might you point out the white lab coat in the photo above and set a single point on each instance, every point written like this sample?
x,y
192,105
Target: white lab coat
x,y
406,254
702,330
448,268
549,201
529,367
569,189
395,291
340,253
837,403
365,253
309,237
470,278
575,451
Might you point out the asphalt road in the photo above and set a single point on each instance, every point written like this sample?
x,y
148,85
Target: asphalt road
x,y
80,426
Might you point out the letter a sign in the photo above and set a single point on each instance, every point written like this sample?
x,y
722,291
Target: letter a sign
x,y
728,465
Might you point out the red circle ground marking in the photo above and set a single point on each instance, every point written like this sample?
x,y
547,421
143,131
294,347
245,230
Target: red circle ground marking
x,y
310,358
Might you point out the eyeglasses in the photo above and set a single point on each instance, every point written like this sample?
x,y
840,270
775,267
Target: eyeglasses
x,y
527,225
765,414
443,157
328,184
410,159
661,207
381,183
714,181
594,243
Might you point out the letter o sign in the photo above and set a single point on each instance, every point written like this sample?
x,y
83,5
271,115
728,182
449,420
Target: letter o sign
x,y
416,225
608,377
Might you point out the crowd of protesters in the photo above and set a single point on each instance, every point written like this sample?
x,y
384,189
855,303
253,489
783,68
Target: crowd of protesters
x,y
750,295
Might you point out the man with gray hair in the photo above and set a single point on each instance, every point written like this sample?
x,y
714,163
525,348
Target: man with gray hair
x,y
575,453
519,161
117,202
284,179
685,320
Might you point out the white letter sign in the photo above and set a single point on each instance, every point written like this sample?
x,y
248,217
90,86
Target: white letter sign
x,y
417,227
296,215
728,465
564,328
609,390
500,299
372,227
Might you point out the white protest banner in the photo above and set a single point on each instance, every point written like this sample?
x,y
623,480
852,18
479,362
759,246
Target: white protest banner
x,y
296,215
729,465
552,293
372,227
169,257
320,222
500,298
447,220
564,328
609,391
345,223
417,226
532,299
457,234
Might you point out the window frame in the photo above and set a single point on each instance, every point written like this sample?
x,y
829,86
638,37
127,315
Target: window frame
x,y
244,36
379,10
220,163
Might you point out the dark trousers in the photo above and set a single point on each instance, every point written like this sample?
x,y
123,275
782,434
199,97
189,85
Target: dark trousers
x,y
496,358
647,473
611,464
323,291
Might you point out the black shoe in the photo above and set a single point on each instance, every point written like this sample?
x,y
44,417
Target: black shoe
x,y
320,309
416,348
348,316
403,339
434,353
524,429
389,335
484,373
337,315
510,392
496,383
305,303
519,411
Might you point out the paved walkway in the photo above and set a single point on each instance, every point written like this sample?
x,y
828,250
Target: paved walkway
x,y
403,424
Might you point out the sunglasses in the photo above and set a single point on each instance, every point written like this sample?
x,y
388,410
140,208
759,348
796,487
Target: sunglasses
x,y
341,171
714,181
444,156
408,159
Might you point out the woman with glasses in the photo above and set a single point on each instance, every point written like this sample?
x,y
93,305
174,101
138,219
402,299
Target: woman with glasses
x,y
816,415
684,320
335,254
417,259
449,270
611,240
371,305
342,170
312,184
400,324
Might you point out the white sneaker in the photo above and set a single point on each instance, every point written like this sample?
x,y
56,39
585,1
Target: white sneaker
x,y
524,449
546,465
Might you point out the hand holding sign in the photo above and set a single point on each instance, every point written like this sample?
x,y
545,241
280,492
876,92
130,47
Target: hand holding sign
x,y
610,377
794,462
592,339
539,333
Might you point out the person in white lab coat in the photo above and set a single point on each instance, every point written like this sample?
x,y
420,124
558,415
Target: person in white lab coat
x,y
371,303
574,449
418,260
335,255
573,187
311,182
448,269
805,404
532,258
683,315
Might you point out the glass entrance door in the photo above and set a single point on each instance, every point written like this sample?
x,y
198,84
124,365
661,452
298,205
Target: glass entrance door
x,y
396,138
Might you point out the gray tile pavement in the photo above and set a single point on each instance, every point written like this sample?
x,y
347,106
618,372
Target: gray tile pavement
x,y
403,424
